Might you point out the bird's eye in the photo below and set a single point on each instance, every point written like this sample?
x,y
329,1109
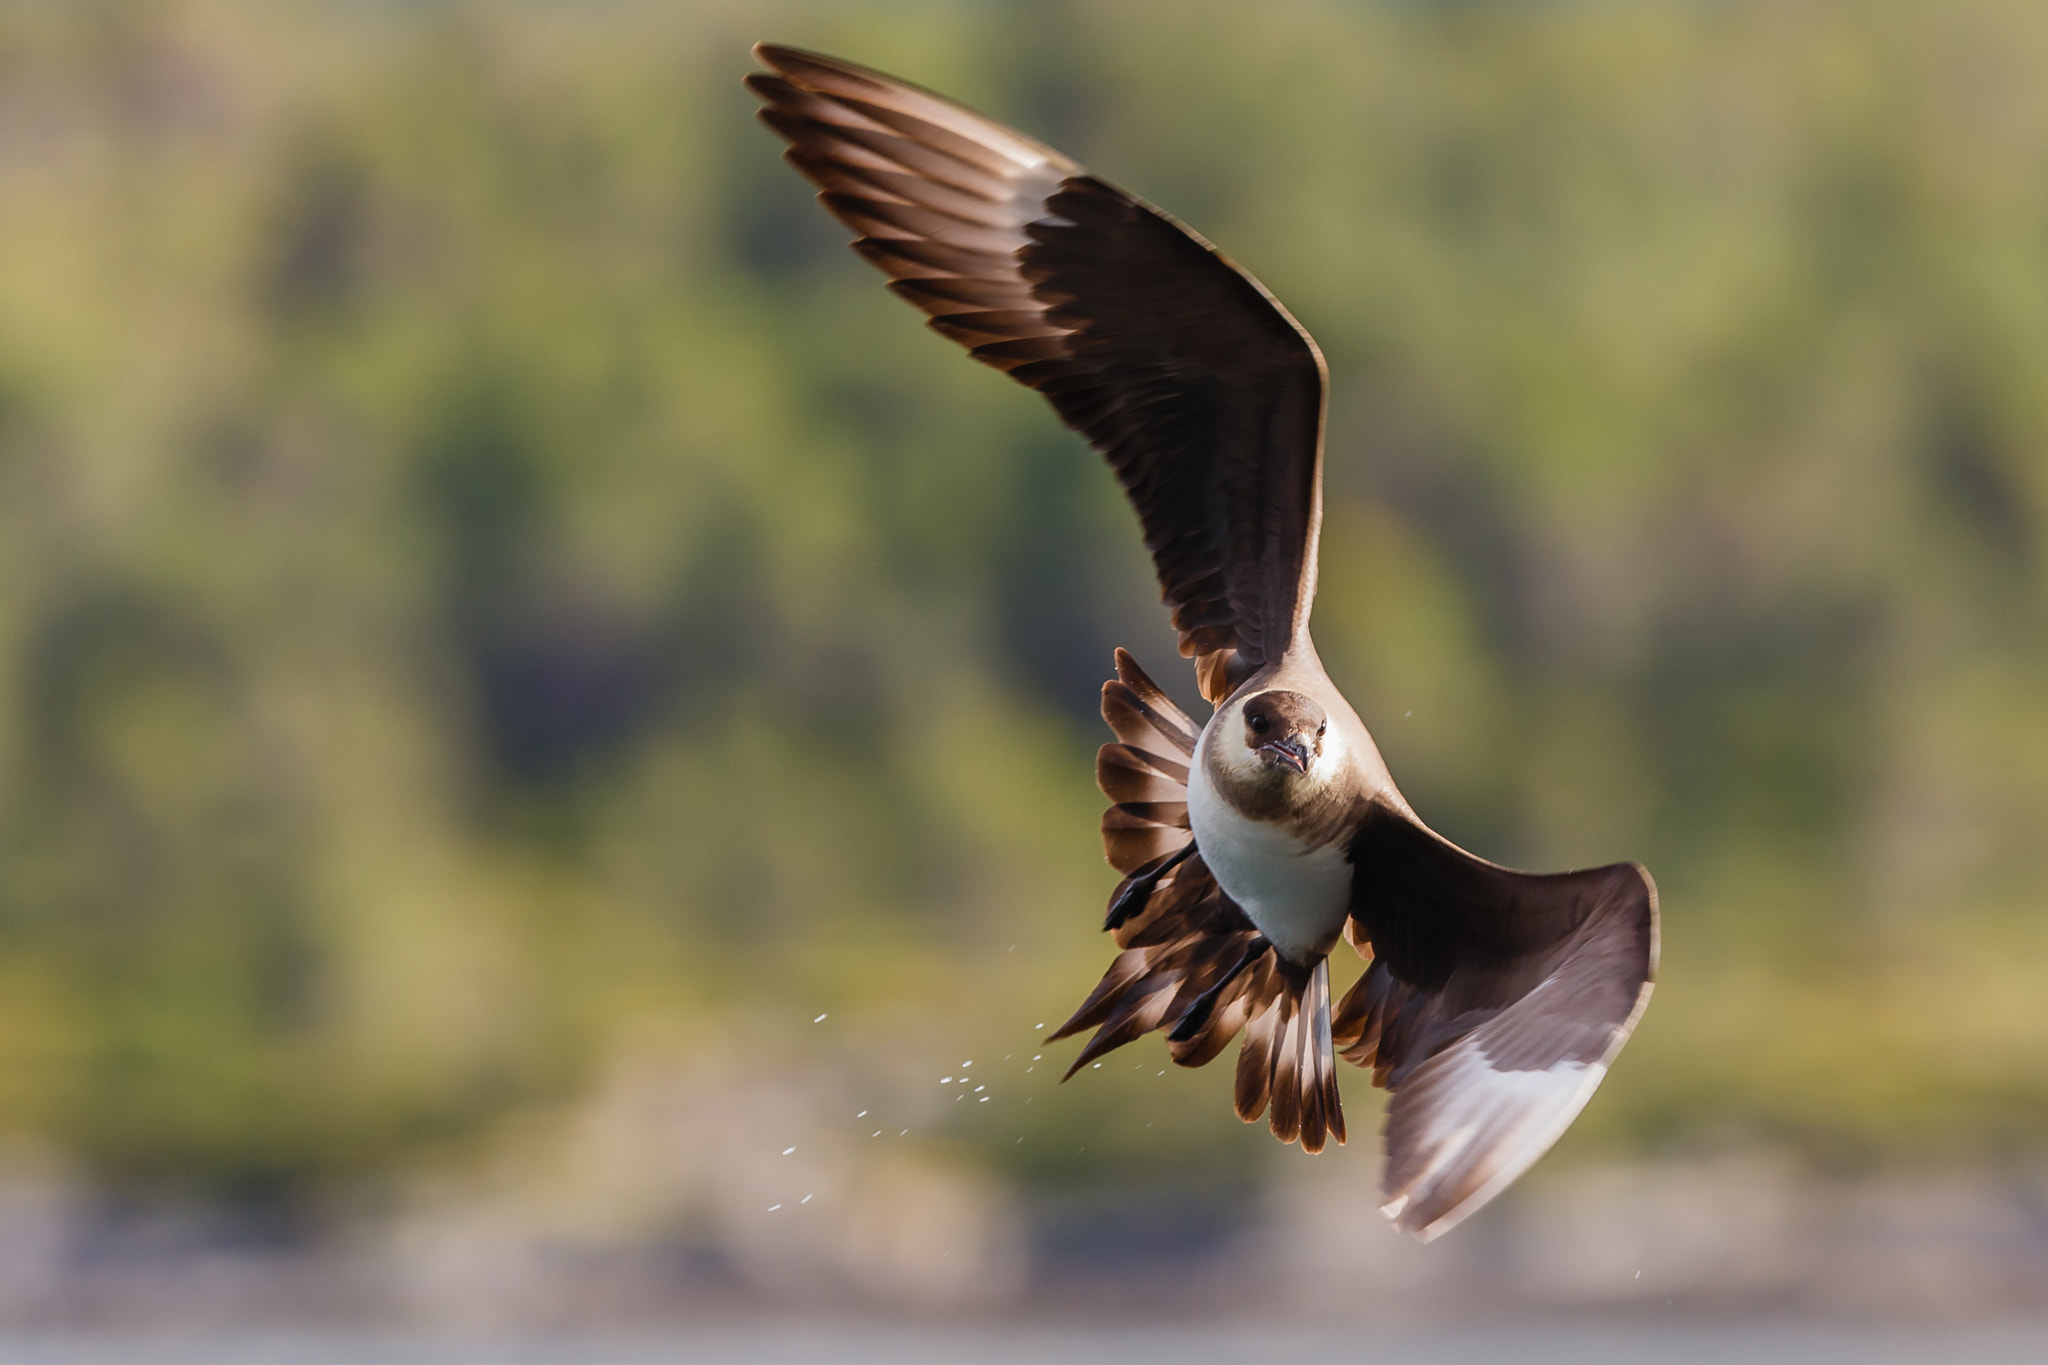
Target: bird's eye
x,y
1258,724
1321,728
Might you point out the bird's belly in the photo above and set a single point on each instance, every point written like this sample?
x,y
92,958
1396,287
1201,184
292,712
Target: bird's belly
x,y
1297,895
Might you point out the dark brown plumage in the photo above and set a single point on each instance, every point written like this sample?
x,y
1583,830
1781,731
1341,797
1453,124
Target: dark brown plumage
x,y
1190,959
1200,390
1495,999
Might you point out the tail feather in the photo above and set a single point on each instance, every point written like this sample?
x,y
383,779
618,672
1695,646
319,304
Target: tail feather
x,y
1137,1010
1191,962
1128,967
1127,773
1326,1107
1137,893
1134,835
1196,1016
1181,973
1200,1049
1287,1062
1142,715
1255,1056
1185,897
1149,821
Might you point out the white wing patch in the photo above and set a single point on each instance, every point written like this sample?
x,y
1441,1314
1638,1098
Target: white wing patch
x,y
1477,1130
1460,1131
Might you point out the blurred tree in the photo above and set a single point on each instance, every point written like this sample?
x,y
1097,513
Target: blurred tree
x,y
484,568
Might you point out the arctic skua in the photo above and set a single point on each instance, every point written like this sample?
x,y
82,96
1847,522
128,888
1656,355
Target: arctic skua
x,y
1494,1000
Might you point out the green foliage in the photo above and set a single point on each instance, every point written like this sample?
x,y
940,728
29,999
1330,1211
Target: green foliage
x,y
485,569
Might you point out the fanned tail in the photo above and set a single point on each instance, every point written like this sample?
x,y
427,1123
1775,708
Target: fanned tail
x,y
1287,1061
1191,961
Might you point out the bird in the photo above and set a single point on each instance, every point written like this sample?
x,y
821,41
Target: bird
x,y
1253,843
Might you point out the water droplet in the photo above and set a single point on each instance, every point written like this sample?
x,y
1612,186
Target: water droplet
x,y
819,1020
787,1150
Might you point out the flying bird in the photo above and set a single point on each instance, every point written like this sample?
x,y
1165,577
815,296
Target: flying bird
x,y
1250,844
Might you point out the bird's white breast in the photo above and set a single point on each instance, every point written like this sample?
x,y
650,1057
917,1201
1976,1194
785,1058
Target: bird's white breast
x,y
1297,895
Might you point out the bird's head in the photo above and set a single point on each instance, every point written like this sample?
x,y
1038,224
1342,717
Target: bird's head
x,y
1283,734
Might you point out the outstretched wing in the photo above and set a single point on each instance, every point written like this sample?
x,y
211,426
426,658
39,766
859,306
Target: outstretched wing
x,y
1493,1006
1203,394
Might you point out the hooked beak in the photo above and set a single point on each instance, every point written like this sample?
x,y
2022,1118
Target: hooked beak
x,y
1292,751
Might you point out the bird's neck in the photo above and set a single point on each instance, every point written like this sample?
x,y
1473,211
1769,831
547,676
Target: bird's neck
x,y
1312,806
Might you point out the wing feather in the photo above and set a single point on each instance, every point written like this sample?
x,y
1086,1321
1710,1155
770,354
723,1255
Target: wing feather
x,y
1495,1002
1203,394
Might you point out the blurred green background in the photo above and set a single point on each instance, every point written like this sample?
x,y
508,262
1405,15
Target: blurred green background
x,y
490,587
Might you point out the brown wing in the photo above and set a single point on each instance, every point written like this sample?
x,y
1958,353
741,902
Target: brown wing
x,y
1195,384
1493,1006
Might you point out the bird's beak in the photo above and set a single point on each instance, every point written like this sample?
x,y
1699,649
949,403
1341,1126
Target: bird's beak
x,y
1293,751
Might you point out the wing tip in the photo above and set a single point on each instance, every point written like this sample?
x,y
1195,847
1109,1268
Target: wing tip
x,y
1655,915
1456,1184
1425,1233
1642,875
785,57
1396,1211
